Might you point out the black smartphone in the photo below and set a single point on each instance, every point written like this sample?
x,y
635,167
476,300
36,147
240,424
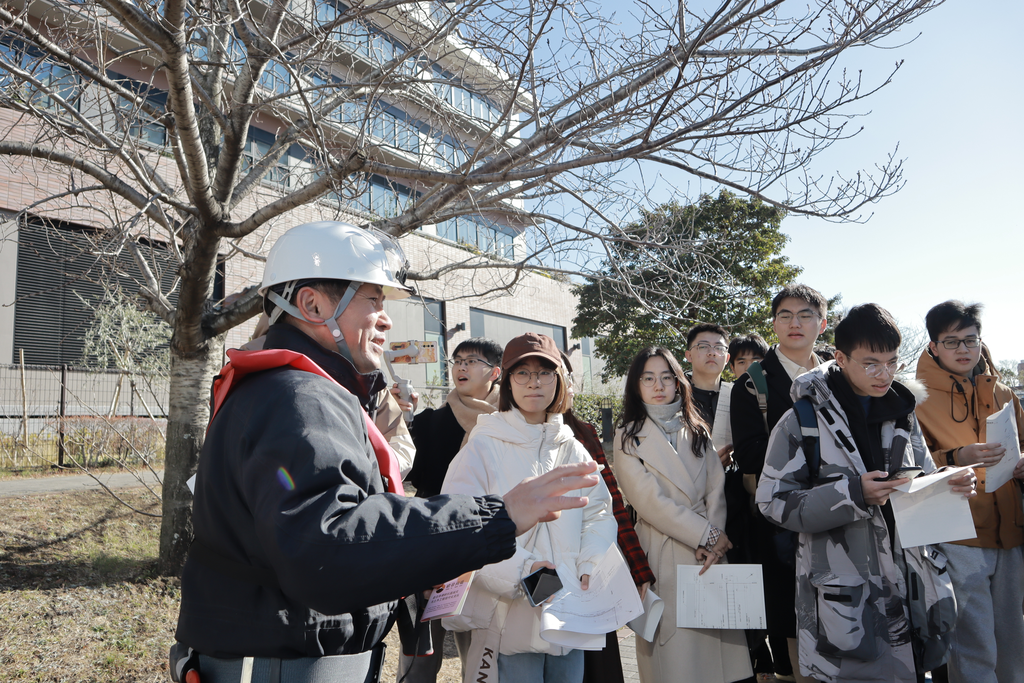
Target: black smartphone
x,y
903,473
541,585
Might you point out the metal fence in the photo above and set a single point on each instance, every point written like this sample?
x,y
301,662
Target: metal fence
x,y
50,414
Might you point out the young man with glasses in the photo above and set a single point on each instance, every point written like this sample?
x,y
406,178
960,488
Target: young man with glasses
x,y
987,571
798,314
438,435
852,604
707,352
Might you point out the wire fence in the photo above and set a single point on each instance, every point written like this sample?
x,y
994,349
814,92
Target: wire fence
x,y
61,415
58,415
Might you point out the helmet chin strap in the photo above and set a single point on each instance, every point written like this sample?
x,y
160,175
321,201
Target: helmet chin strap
x,y
331,323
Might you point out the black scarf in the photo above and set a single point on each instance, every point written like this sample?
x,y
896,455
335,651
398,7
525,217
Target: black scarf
x,y
896,405
867,437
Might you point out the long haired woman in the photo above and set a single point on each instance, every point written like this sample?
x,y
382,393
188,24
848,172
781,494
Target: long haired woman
x,y
670,474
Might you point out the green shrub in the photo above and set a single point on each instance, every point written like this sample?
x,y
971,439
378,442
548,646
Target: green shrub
x,y
587,407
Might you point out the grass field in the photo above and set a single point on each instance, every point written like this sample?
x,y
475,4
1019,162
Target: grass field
x,y
79,598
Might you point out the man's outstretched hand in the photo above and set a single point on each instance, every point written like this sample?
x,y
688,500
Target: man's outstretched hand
x,y
541,499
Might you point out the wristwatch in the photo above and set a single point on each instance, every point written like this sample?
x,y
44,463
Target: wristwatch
x,y
951,457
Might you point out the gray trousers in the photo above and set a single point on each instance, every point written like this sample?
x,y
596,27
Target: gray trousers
x,y
987,645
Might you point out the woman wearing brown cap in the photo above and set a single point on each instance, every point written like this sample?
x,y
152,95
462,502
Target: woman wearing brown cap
x,y
526,438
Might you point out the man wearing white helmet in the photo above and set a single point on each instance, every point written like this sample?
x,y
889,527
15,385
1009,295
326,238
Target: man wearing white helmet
x,y
301,547
367,263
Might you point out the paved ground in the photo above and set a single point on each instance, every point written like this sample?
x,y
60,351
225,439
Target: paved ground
x,y
627,653
21,487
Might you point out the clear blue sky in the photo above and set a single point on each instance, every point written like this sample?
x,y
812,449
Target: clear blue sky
x,y
956,110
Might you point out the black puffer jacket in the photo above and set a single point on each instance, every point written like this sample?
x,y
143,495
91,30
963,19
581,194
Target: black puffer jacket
x,y
288,482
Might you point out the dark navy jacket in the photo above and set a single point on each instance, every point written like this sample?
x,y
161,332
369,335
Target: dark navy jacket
x,y
749,437
288,482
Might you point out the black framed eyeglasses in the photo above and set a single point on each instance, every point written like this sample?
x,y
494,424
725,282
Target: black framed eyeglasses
x,y
953,344
803,317
706,348
468,363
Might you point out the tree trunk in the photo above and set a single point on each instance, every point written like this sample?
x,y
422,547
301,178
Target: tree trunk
x,y
188,415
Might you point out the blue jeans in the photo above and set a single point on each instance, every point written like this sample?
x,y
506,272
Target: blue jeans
x,y
537,667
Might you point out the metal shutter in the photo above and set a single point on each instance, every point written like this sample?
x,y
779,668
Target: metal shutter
x,y
56,261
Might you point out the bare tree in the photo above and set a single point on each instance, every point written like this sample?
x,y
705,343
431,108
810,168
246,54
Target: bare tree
x,y
1009,373
915,340
139,119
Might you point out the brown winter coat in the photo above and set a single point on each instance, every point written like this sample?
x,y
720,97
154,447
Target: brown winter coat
x,y
953,417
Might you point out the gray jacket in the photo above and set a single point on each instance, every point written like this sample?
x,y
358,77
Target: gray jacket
x,y
852,615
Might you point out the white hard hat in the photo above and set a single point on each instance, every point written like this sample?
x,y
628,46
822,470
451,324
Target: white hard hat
x,y
332,250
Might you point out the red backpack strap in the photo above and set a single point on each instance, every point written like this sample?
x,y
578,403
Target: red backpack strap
x,y
242,363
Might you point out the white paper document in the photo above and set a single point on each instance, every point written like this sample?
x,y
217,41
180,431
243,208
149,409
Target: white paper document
x,y
646,625
1002,427
928,511
727,596
580,619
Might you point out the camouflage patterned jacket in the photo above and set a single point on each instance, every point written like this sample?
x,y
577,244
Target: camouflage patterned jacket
x,y
852,614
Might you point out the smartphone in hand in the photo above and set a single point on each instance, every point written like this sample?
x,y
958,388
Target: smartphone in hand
x,y
903,473
541,585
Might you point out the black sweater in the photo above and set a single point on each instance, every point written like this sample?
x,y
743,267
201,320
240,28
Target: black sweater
x,y
438,438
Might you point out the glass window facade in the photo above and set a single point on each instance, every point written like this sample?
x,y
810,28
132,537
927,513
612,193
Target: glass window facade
x,y
478,232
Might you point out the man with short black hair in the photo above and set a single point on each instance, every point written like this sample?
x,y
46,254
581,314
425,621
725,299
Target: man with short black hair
x,y
439,434
740,520
744,350
852,601
707,354
798,314
987,571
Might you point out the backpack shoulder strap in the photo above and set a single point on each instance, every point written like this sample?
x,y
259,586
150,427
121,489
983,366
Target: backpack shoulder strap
x,y
758,385
808,422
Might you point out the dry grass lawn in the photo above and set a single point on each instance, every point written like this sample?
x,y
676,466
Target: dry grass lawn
x,y
79,599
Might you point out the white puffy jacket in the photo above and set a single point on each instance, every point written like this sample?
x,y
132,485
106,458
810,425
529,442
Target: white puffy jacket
x,y
503,449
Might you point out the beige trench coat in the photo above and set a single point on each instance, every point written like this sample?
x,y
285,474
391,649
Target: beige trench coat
x,y
677,496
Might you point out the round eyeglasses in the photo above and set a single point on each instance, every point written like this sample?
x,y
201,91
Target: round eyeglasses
x,y
664,379
522,377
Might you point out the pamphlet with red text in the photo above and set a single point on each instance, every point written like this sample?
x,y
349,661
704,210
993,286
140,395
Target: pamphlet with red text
x,y
448,600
